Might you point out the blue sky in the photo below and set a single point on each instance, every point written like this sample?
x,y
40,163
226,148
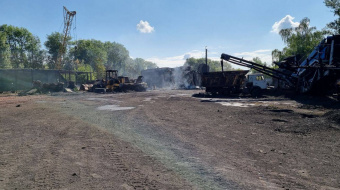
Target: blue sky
x,y
168,31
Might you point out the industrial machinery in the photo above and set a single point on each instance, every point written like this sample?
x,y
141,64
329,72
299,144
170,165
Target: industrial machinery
x,y
109,84
68,18
112,82
127,84
231,82
318,73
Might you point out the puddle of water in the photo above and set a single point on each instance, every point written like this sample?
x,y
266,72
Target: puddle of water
x,y
97,99
236,104
176,95
183,95
114,108
248,102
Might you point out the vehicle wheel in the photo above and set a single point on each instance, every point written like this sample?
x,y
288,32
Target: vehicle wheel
x,y
256,92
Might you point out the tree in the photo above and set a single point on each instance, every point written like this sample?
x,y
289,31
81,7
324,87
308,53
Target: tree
x,y
117,56
300,40
36,56
258,61
84,68
53,45
91,52
213,65
20,42
335,25
5,53
135,66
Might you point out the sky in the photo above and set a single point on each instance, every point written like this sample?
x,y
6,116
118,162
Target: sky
x,y
169,31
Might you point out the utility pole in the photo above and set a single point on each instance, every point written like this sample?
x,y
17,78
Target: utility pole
x,y
206,56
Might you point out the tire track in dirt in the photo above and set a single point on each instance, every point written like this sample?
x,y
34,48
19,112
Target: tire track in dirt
x,y
175,154
130,173
134,174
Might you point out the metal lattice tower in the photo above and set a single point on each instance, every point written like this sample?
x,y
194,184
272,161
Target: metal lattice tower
x,y
68,18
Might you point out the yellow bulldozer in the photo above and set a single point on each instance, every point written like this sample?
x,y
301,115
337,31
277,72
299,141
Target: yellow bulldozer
x,y
114,83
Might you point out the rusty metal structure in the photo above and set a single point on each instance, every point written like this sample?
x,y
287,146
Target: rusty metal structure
x,y
225,82
114,83
318,73
68,18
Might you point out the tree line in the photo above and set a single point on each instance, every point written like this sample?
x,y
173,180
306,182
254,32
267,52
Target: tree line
x,y
19,48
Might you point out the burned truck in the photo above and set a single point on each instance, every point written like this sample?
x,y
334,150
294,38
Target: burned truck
x,y
114,83
234,82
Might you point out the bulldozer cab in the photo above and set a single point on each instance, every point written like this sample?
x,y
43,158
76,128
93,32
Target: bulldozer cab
x,y
111,74
123,79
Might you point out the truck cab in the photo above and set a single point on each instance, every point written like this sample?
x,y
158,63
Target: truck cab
x,y
257,79
255,84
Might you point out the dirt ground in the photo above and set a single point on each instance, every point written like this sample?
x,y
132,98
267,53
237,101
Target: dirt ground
x,y
168,139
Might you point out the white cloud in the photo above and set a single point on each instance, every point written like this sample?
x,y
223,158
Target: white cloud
x,y
286,22
144,27
264,54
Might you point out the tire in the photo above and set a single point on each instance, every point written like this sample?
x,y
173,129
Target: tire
x,y
256,92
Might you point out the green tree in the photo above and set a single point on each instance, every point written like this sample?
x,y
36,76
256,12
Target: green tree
x,y
334,26
300,40
20,42
117,56
258,61
5,53
135,66
36,56
84,68
91,52
213,65
53,45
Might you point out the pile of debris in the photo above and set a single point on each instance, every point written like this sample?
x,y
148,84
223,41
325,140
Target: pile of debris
x,y
39,87
319,73
85,87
